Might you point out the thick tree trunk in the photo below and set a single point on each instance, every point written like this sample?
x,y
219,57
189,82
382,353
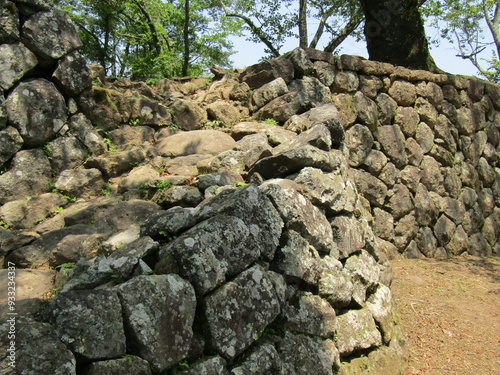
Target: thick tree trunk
x,y
303,23
395,33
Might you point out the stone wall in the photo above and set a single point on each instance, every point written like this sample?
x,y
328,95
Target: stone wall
x,y
424,150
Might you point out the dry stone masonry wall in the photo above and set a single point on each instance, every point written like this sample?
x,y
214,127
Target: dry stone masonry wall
x,y
237,226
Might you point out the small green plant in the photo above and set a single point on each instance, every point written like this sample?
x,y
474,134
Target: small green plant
x,y
167,236
107,189
135,122
120,245
4,224
163,184
59,210
47,149
108,142
69,197
180,367
271,121
68,265
173,126
115,275
97,83
215,124
40,220
239,184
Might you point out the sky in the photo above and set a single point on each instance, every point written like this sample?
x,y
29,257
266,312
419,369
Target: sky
x,y
249,53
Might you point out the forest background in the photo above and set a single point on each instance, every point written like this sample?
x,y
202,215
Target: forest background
x,y
152,39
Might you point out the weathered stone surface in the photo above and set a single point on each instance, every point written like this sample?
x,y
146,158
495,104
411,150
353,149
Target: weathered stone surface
x,y
381,306
359,141
72,74
300,215
27,212
262,360
129,365
301,354
400,203
269,91
365,274
224,112
276,134
389,174
296,258
345,81
328,190
37,110
370,86
444,230
324,72
15,62
432,177
50,35
414,152
367,110
375,162
9,19
384,224
405,230
82,128
426,242
426,211
387,108
309,314
189,115
208,366
169,311
392,140
35,340
184,196
128,135
255,292
90,323
335,283
348,234
356,330
170,222
371,187
66,153
347,109
318,136
114,164
231,241
195,142
11,142
30,174
79,182
259,74
407,118
404,93
289,162
426,111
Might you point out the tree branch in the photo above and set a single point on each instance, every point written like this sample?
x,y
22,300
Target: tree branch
x,y
256,30
321,27
348,29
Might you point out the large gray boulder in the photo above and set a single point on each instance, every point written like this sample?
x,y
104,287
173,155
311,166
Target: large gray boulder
x,y
356,330
50,35
128,365
11,142
259,74
72,74
254,293
269,91
328,190
81,127
302,354
30,174
9,19
34,340
159,328
300,215
37,110
90,323
15,62
292,161
195,142
246,227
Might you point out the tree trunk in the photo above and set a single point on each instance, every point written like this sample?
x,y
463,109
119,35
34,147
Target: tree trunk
x,y
303,24
395,33
187,46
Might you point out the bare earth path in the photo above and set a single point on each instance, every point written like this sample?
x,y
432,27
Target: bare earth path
x,y
450,310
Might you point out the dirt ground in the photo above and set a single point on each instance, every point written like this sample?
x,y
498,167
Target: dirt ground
x,y
450,310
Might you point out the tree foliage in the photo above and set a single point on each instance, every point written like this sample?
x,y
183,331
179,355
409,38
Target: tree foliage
x,y
475,28
151,39
273,22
